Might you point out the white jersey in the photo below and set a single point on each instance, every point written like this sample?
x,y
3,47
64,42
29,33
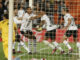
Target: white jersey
x,y
48,25
21,13
72,25
16,21
26,22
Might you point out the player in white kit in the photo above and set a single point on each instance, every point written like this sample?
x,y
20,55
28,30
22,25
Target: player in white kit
x,y
51,32
70,27
21,12
18,20
26,29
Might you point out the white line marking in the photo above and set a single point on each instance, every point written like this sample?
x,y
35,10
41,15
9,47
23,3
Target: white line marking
x,y
45,49
22,55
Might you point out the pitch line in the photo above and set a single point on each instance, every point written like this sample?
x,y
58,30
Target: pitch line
x,y
45,49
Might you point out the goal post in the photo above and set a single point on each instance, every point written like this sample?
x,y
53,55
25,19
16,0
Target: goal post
x,y
31,3
52,12
11,3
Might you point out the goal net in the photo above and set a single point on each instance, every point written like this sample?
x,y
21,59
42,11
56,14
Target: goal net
x,y
46,30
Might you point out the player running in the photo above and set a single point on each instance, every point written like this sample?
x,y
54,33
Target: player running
x,y
51,32
70,27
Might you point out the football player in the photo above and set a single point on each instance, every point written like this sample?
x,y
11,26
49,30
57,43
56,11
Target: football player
x,y
70,27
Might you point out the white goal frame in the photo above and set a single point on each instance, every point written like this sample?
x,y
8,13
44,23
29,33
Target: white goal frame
x,y
11,8
10,39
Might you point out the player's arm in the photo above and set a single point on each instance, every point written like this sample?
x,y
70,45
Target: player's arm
x,y
20,18
35,17
69,22
42,23
40,26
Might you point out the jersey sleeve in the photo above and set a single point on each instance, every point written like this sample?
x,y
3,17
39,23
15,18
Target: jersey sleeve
x,y
16,21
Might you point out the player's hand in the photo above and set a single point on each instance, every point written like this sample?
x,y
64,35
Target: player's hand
x,y
20,18
32,18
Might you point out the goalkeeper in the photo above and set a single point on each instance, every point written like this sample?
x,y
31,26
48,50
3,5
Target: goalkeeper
x,y
4,27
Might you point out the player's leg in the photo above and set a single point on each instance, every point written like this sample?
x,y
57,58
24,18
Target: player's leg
x,y
18,39
30,44
14,44
24,46
19,44
32,38
77,43
48,43
34,44
5,49
19,48
65,39
29,36
53,36
45,41
22,42
75,38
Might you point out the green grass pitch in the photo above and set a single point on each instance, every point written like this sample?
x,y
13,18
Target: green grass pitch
x,y
44,52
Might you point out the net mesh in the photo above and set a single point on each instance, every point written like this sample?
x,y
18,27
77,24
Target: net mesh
x,y
34,40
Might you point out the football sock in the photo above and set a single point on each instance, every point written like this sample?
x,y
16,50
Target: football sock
x,y
14,45
19,46
67,44
57,46
47,43
34,45
25,47
30,44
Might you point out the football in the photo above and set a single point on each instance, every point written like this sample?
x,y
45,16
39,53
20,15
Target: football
x,y
39,28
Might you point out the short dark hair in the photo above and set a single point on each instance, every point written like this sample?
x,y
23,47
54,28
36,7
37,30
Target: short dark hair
x,y
42,9
66,9
28,7
6,16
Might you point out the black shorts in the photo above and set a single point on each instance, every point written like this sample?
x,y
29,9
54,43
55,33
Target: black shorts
x,y
51,34
17,38
28,34
71,32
